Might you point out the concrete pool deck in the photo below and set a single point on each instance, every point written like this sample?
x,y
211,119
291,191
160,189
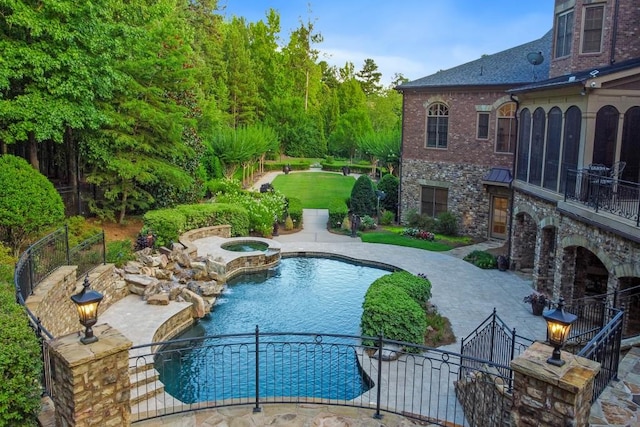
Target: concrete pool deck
x,y
462,292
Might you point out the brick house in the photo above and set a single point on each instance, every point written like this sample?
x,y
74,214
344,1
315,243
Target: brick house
x,y
459,138
571,210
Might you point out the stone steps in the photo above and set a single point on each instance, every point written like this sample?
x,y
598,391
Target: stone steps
x,y
145,383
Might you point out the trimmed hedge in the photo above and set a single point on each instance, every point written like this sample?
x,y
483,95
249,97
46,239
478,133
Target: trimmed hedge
x,y
295,211
394,306
363,197
296,166
168,224
20,364
338,210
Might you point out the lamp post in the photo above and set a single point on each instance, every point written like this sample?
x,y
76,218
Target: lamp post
x,y
558,327
87,301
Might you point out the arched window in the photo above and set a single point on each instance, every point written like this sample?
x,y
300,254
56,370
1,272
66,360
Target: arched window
x,y
552,151
437,125
604,143
506,129
629,152
522,165
570,144
537,146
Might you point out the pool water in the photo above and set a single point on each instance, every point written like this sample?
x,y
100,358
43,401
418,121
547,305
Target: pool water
x,y
313,295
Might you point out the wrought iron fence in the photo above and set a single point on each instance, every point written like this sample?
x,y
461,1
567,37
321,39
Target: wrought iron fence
x,y
51,252
593,313
430,385
493,340
604,348
40,260
88,254
621,198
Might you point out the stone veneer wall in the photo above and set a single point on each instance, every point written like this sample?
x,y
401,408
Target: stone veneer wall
x,y
468,199
199,233
91,385
620,256
549,396
51,299
485,398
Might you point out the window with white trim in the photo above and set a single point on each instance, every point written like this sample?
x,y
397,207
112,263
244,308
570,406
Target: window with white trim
x,y
592,29
437,125
564,33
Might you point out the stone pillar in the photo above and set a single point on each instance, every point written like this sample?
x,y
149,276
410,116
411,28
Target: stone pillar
x,y
545,395
91,382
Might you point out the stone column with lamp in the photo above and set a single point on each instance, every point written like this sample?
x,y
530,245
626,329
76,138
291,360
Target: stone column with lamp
x,y
551,387
90,370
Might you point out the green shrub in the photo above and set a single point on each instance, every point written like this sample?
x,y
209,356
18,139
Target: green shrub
x,y
338,210
367,223
482,259
28,202
223,185
447,224
119,252
20,364
387,218
390,310
363,197
288,223
7,263
80,230
166,224
420,221
417,287
329,160
390,185
294,210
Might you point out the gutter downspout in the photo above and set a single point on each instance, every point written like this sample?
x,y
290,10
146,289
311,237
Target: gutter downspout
x,y
513,168
399,209
614,35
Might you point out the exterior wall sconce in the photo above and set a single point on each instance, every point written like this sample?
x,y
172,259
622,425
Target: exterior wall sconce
x,y
87,301
558,327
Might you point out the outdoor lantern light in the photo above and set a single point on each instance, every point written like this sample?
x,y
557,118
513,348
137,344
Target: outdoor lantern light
x,y
87,301
558,326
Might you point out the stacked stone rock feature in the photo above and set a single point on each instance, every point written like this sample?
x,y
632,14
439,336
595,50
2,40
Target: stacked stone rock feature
x,y
164,276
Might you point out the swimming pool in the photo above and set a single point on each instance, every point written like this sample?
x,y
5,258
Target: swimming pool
x,y
302,294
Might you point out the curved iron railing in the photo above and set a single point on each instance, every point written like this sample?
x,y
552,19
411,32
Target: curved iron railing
x,y
422,383
40,260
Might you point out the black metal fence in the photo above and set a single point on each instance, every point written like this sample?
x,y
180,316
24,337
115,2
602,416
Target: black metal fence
x,y
53,251
262,368
493,340
621,198
604,348
40,260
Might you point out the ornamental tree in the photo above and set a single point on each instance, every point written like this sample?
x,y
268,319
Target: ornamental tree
x,y
28,202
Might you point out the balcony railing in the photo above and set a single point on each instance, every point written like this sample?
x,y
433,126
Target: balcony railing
x,y
603,194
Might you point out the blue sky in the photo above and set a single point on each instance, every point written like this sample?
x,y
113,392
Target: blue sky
x,y
413,37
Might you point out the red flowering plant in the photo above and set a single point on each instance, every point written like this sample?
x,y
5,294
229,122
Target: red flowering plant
x,y
537,298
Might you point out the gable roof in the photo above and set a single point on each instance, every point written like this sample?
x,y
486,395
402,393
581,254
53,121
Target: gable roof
x,y
509,67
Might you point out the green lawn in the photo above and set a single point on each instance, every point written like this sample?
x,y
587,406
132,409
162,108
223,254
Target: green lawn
x,y
390,235
315,189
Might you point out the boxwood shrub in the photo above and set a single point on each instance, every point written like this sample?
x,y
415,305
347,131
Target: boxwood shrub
x,y
394,306
295,211
338,210
482,259
166,224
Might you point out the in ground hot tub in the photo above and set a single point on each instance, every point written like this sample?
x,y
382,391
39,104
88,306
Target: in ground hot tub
x,y
245,246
